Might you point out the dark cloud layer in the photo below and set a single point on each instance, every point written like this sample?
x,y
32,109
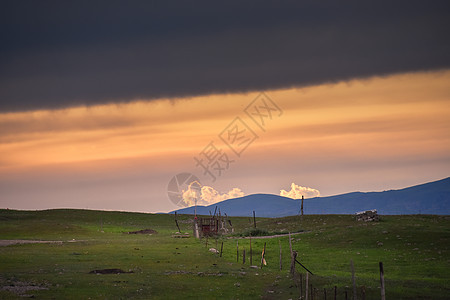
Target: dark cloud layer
x,y
60,53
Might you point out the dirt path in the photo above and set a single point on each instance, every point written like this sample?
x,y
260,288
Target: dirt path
x,y
13,242
272,236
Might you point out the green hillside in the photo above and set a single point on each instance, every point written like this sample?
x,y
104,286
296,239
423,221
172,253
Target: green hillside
x,y
414,251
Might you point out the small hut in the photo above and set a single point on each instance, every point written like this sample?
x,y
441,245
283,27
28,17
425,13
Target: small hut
x,y
367,216
209,226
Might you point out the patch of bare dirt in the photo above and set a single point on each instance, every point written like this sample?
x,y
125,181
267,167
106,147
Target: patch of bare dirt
x,y
109,271
13,242
20,288
143,231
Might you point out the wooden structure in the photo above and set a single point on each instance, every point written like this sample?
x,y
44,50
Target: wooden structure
x,y
209,226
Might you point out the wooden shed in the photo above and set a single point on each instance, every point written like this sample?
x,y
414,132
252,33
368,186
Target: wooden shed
x,y
209,226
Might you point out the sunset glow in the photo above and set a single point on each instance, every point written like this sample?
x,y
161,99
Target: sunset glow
x,y
352,131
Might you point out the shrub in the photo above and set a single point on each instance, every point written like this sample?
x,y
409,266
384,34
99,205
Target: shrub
x,y
255,232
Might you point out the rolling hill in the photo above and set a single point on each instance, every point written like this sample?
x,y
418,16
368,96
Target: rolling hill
x,y
428,198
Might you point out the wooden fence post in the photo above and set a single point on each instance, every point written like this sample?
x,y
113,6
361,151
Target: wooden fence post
x,y
353,279
306,287
262,256
301,285
221,249
237,251
251,252
254,219
303,198
176,222
243,257
281,266
335,292
292,256
383,293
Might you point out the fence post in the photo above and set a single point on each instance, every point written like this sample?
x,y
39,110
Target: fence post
x,y
303,198
196,233
281,266
263,254
292,256
237,250
353,279
176,222
221,249
254,219
383,293
251,254
301,285
243,257
306,287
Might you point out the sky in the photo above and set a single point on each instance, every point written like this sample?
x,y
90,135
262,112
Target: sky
x,y
103,104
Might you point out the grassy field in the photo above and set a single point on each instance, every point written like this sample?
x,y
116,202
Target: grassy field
x,y
413,249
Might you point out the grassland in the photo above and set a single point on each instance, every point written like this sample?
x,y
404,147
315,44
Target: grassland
x,y
413,249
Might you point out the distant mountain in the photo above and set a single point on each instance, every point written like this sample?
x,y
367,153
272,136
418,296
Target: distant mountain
x,y
428,198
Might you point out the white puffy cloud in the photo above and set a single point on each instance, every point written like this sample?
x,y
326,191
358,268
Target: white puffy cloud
x,y
189,197
207,195
298,191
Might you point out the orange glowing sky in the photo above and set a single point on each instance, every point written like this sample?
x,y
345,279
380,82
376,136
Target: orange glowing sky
x,y
371,134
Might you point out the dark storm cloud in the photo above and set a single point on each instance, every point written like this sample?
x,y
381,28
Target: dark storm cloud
x,y
60,53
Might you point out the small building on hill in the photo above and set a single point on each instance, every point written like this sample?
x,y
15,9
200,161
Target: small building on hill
x,y
367,216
